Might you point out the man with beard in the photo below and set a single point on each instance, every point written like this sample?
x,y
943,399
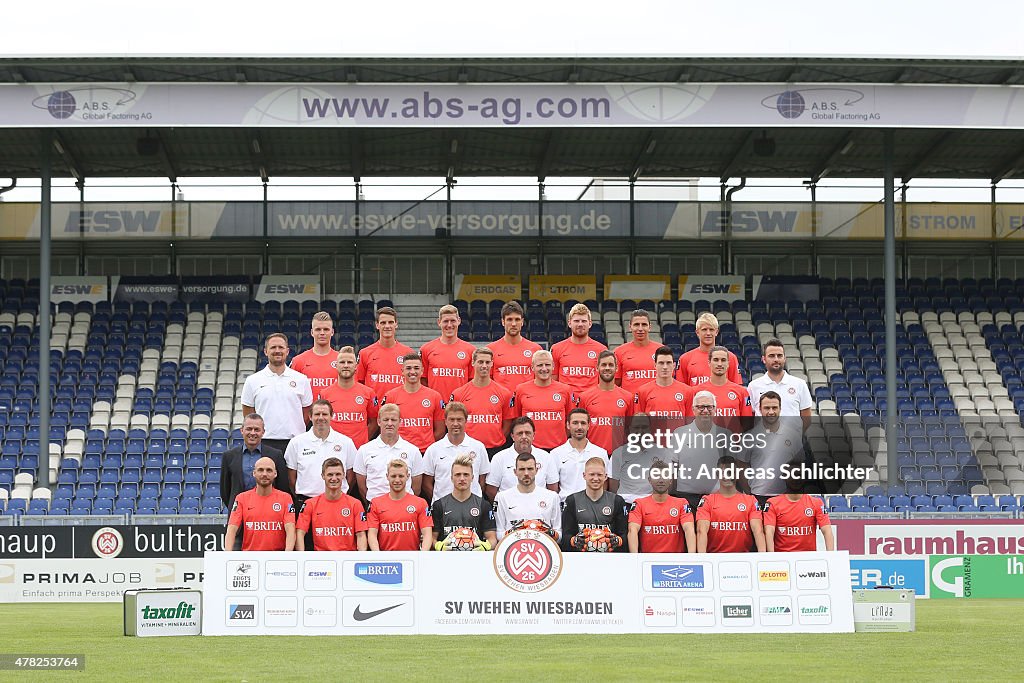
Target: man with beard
x,y
265,515
660,523
380,363
281,395
791,520
488,403
503,466
793,392
610,407
526,502
572,455
575,358
353,405
729,521
513,352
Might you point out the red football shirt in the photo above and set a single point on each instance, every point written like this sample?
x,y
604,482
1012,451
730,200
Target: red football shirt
x,y
398,522
730,521
732,401
661,524
673,403
488,407
321,370
446,367
576,364
261,519
380,368
547,407
351,410
335,523
419,411
695,368
512,364
609,412
796,522
635,365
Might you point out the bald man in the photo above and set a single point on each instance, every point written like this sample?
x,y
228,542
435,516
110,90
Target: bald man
x,y
265,515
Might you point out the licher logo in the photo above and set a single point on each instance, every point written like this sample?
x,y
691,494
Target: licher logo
x,y
528,561
107,542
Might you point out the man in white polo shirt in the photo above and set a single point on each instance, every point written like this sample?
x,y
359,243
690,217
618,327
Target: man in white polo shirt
x,y
572,456
372,458
503,465
307,452
438,458
796,397
281,395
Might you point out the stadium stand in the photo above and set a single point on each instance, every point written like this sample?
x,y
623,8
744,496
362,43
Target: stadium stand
x,y
144,396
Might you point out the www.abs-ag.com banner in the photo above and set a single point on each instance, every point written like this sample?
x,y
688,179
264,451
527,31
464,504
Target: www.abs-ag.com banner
x,y
525,586
511,105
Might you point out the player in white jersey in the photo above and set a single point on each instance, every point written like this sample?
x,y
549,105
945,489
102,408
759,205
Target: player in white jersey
x,y
439,456
526,502
372,458
503,465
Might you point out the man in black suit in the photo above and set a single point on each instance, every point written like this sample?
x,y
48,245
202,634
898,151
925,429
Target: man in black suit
x,y
236,473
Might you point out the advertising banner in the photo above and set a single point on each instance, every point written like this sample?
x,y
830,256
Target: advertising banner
x,y
163,612
148,289
93,580
976,576
563,287
488,287
214,289
511,105
894,537
109,542
712,288
637,287
870,572
288,288
77,289
525,586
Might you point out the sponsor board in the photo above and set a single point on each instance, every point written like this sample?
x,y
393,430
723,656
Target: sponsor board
x,y
500,592
637,287
563,287
287,288
883,611
899,573
976,576
147,289
489,287
93,580
712,288
218,289
162,612
930,537
79,289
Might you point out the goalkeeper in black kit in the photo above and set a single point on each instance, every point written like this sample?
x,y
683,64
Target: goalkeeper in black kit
x,y
594,520
462,519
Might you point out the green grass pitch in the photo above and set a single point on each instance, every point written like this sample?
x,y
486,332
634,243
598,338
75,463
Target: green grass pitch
x,y
955,640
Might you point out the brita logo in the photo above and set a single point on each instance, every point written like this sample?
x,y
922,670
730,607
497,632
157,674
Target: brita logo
x,y
383,573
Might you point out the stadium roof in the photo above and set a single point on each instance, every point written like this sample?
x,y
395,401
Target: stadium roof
x,y
801,152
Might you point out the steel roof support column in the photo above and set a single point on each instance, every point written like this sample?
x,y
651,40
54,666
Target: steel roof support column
x,y
45,178
888,145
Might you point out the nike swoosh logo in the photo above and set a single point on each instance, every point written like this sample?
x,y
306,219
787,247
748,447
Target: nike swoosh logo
x,y
360,615
580,511
447,512
511,507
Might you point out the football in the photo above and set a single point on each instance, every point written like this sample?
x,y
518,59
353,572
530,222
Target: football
x,y
463,538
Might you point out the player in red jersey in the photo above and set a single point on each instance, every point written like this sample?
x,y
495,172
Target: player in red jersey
x,y
610,407
447,360
733,410
353,405
659,523
546,402
792,519
398,520
422,408
489,404
576,357
318,363
636,358
729,521
336,519
380,363
694,367
265,515
667,401
513,352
